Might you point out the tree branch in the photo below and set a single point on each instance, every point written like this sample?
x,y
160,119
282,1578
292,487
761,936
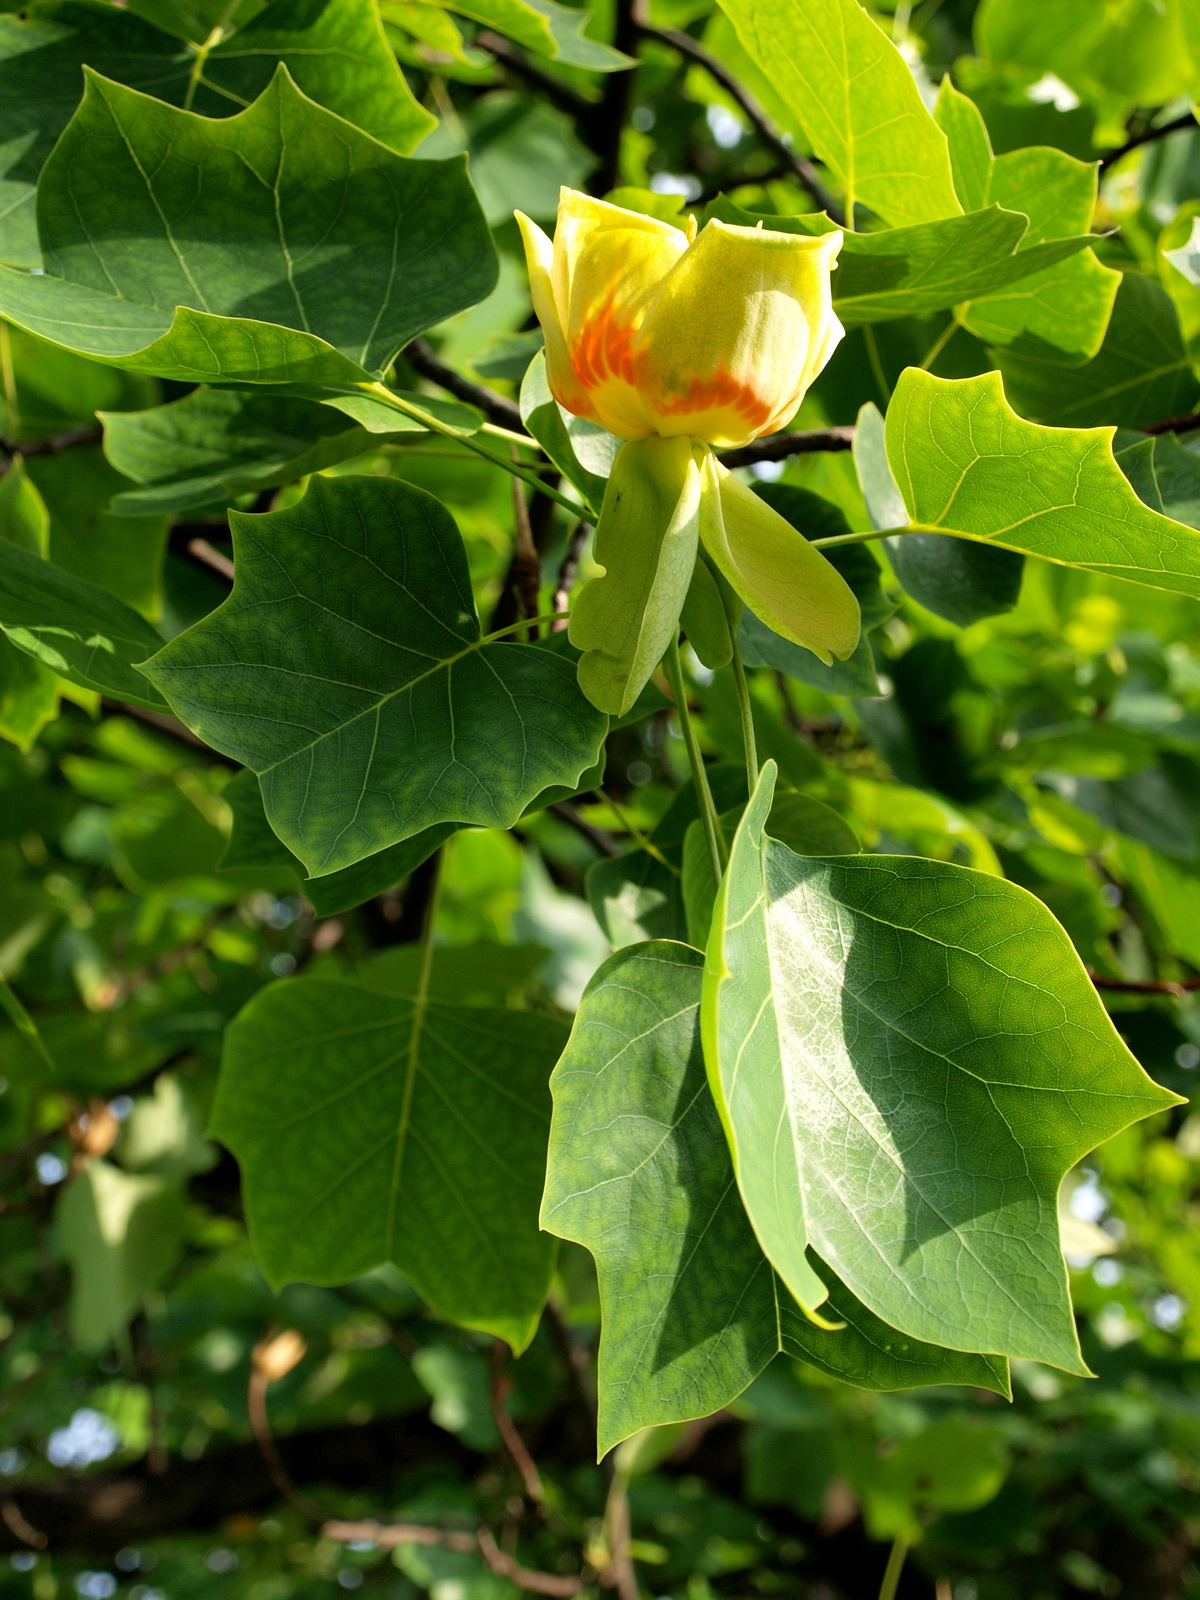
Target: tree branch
x,y
769,134
778,446
504,413
386,1536
606,122
1143,985
73,439
1175,424
596,837
558,93
1111,157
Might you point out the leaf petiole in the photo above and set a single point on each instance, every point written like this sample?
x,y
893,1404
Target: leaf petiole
x,y
895,1565
708,811
380,391
863,538
745,711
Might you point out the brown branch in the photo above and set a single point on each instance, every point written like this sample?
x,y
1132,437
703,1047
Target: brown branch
x,y
73,439
386,1536
1143,985
767,132
778,446
202,551
1175,424
604,842
1111,157
500,1389
777,170
558,93
168,725
605,125
24,1531
273,1358
504,413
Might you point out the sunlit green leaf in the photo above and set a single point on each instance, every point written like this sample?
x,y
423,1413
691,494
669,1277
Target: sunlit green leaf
x,y
917,1055
966,463
342,252
853,93
639,1172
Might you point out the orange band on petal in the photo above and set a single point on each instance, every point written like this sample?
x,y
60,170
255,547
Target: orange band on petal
x,y
720,390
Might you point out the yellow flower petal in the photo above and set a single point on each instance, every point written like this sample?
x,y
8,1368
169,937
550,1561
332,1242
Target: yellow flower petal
x,y
737,333
608,266
783,579
560,374
646,540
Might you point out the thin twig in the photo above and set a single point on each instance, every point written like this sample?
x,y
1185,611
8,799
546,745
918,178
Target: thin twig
x,y
727,185
1111,157
604,842
168,725
558,93
1175,424
779,446
770,135
386,1536
525,571
505,413
262,1373
1143,985
501,1388
73,439
11,1512
201,550
566,576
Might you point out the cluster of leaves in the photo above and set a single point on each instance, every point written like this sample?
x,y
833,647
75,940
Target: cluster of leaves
x,y
307,867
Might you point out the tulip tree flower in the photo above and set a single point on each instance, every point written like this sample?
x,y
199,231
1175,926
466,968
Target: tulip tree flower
x,y
677,342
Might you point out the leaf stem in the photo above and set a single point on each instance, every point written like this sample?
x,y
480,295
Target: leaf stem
x,y
380,391
863,538
708,811
431,913
24,1023
891,1576
524,622
746,712
641,839
876,364
943,339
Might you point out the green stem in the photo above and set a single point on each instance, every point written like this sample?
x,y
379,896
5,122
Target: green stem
x,y
525,622
380,391
876,364
942,340
891,1576
746,712
708,811
431,913
862,538
641,839
24,1023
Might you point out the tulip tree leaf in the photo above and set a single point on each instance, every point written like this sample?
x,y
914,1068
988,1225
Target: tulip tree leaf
x,y
83,633
1166,475
638,1172
549,29
901,272
1065,307
965,463
939,1059
857,101
954,578
347,669
344,250
252,844
373,1128
335,50
216,444
1140,374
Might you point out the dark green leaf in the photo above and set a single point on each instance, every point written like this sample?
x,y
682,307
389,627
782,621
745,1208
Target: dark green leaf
x,y
342,250
1166,475
80,632
216,444
639,1173
371,1128
1140,375
347,669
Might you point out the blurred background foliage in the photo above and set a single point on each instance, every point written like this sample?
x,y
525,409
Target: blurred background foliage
x,y
1057,742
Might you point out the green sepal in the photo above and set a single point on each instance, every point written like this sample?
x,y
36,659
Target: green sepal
x,y
711,614
646,540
